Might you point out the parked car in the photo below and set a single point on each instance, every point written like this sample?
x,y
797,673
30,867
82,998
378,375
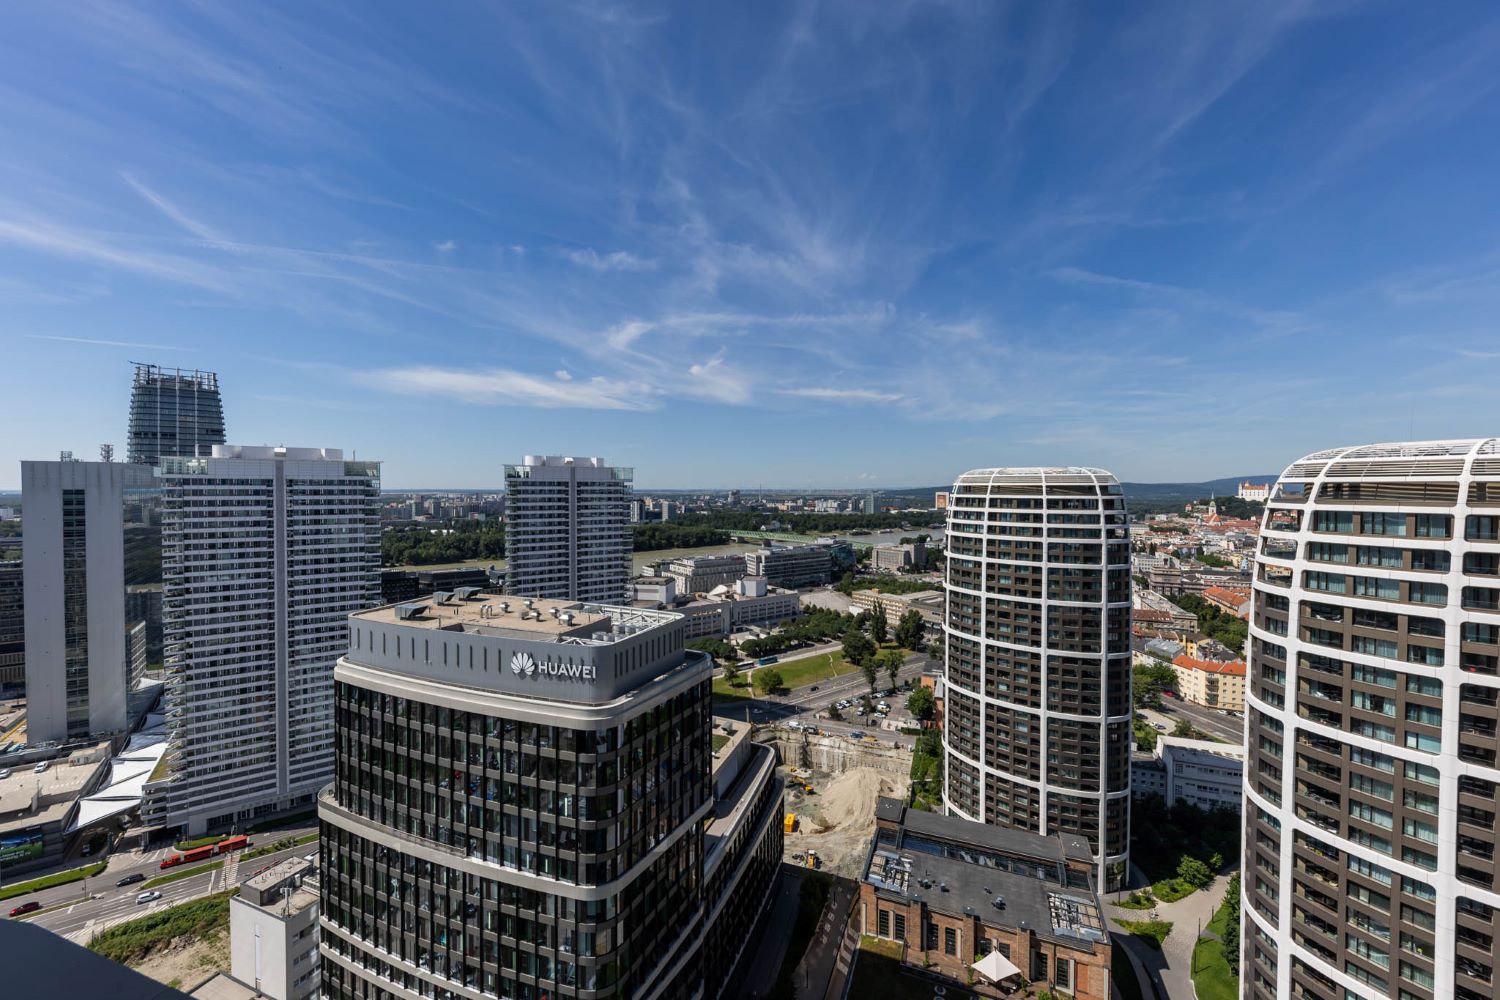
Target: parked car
x,y
131,879
26,908
1159,727
4,773
813,688
856,735
41,767
149,896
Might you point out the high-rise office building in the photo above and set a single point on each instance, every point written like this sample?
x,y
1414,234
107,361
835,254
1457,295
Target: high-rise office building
x,y
74,575
12,627
1037,711
265,552
1371,721
567,528
523,805
173,411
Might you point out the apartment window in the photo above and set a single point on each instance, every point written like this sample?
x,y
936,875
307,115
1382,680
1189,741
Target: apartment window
x,y
1432,560
1375,555
1369,869
950,941
1328,583
1333,521
1378,676
1372,814
1424,714
1420,801
1369,758
1433,525
1482,527
1417,918
1413,974
1062,977
1372,786
1428,686
1370,586
1421,830
1367,951
1428,593
1424,742
1381,523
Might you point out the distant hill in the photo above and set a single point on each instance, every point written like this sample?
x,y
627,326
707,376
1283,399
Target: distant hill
x,y
1185,491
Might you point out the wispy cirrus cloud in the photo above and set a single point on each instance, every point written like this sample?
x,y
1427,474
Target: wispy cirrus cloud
x,y
107,343
505,387
843,395
617,260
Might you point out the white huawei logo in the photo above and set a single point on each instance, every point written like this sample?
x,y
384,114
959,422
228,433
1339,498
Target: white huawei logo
x,y
522,663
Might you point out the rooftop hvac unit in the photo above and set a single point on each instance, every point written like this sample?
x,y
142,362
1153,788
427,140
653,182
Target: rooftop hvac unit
x,y
505,607
530,603
567,618
404,612
464,593
442,596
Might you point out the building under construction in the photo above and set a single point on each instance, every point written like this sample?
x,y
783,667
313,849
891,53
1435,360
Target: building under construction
x,y
173,411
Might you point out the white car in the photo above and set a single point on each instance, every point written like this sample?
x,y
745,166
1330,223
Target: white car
x,y
4,773
149,896
40,767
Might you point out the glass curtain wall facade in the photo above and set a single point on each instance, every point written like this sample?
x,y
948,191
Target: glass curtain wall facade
x,y
1038,711
173,411
487,836
1371,724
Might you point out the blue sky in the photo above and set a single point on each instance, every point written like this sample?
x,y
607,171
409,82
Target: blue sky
x,y
838,243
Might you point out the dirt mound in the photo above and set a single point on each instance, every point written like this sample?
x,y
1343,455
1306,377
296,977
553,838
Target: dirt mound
x,y
849,800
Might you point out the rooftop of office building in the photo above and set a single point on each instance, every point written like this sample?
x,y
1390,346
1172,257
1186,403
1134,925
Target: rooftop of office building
x,y
467,610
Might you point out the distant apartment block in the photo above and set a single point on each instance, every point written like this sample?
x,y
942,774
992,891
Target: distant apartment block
x,y
792,566
1236,602
1216,684
1202,773
927,603
700,574
273,938
910,557
265,553
940,501
173,411
567,533
74,591
748,601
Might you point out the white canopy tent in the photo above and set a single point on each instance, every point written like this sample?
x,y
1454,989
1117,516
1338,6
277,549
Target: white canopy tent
x,y
996,967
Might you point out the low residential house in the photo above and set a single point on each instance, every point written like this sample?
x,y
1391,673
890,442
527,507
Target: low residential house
x,y
985,905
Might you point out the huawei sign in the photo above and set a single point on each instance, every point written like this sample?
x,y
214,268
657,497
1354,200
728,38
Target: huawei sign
x,y
525,665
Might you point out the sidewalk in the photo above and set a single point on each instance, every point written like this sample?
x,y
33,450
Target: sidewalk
x,y
1169,972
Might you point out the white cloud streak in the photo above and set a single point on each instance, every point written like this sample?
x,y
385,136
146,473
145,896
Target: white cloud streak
x,y
504,387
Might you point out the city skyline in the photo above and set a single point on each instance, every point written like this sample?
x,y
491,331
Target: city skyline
x,y
1181,247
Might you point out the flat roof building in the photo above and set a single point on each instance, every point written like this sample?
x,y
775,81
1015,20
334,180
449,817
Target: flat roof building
x,y
567,528
553,763
954,893
173,411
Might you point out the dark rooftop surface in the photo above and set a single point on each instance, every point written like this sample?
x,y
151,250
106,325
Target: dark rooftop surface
x,y
995,838
53,966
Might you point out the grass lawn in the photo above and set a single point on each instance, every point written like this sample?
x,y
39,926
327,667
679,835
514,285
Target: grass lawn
x,y
1137,901
48,881
1153,932
1123,974
794,674
280,845
178,874
1213,979
878,972
719,740
1172,889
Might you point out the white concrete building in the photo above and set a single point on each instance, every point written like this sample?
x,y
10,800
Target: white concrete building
x,y
700,574
77,658
1205,774
265,553
1372,711
1257,492
567,532
273,938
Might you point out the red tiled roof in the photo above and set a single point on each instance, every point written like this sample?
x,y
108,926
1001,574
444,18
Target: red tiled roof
x,y
1234,668
1238,598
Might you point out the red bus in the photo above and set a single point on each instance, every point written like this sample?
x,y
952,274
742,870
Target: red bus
x,y
231,844
196,854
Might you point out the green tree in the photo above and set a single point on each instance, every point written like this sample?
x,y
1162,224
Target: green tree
x,y
1231,935
935,645
768,680
1145,736
731,673
871,673
1184,728
880,625
833,712
921,703
858,648
1151,679
1194,872
909,630
890,661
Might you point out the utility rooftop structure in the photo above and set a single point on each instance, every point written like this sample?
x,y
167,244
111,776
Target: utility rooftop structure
x,y
1372,712
173,411
1038,714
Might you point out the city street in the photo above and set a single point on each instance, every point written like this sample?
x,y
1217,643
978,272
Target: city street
x,y
1230,728
110,904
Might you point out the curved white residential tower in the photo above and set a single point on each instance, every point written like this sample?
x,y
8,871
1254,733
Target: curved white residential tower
x,y
1037,712
1371,715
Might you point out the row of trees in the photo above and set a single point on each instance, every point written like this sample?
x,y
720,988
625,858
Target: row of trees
x,y
464,541
657,535
885,584
811,524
